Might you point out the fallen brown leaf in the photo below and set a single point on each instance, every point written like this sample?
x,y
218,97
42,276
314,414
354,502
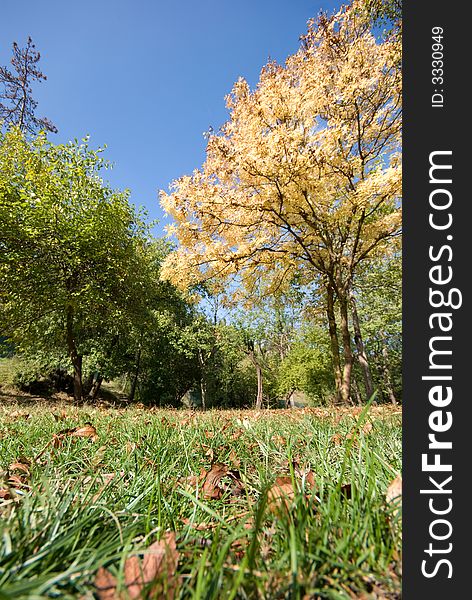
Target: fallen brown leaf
x,y
19,466
209,453
158,568
393,495
283,491
304,474
234,458
211,488
87,431
17,481
394,490
105,585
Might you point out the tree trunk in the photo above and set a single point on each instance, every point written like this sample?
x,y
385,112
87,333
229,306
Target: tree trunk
x,y
259,385
361,354
348,356
357,394
250,351
203,391
96,386
387,376
74,356
88,384
134,382
333,336
289,402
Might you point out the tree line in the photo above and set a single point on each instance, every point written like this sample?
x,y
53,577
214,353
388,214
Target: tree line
x,y
281,275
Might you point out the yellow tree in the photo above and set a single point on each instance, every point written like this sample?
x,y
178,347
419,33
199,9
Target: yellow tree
x,y
305,175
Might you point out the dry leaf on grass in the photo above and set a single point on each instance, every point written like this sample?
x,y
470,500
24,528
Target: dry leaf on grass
x,y
210,481
105,585
15,481
365,430
18,414
130,447
18,481
393,495
234,458
19,466
87,431
156,572
105,479
199,526
211,487
283,492
394,490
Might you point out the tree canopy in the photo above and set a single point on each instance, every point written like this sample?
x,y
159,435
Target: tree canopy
x,y
71,265
305,177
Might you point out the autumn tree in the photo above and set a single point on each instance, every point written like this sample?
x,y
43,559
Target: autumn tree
x,y
17,105
73,263
304,178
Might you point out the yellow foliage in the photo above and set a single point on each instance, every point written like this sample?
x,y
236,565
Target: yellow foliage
x,y
306,172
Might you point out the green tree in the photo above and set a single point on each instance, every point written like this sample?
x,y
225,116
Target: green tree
x,y
72,250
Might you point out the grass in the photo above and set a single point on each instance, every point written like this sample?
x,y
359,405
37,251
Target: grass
x,y
70,518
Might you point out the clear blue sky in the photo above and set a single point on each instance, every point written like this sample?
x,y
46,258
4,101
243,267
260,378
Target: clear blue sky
x,y
148,77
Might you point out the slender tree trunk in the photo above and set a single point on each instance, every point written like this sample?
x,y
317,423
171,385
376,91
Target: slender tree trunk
x,y
250,351
356,392
348,356
21,118
387,376
289,402
75,358
333,336
96,386
203,391
203,394
361,353
259,385
134,381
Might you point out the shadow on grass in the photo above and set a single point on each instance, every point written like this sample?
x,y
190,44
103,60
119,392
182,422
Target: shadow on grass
x,y
12,396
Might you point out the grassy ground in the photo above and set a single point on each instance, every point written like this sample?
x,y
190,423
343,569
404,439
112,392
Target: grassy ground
x,y
79,503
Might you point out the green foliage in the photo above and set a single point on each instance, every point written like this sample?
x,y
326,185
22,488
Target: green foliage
x,y
68,240
307,369
74,266
380,310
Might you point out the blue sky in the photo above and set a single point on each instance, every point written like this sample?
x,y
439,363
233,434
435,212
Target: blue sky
x,y
146,77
